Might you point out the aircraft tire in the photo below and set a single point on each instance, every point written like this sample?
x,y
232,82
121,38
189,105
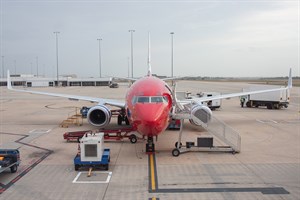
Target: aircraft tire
x,y
127,121
106,167
175,152
270,106
13,168
120,119
179,145
132,138
248,104
76,167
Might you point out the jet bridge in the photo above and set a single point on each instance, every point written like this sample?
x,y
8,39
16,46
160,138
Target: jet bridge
x,y
228,139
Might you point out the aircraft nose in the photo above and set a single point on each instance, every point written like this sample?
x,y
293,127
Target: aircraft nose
x,y
152,118
149,113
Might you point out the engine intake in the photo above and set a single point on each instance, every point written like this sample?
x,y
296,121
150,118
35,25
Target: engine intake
x,y
99,116
200,115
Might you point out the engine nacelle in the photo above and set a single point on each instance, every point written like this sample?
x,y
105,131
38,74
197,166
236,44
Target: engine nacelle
x,y
201,115
99,115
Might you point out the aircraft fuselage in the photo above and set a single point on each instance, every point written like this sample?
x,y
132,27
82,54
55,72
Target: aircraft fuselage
x,y
148,105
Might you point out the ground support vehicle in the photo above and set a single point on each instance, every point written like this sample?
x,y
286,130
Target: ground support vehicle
x,y
114,85
203,144
75,135
91,153
271,100
109,134
119,134
84,111
9,159
229,139
213,104
101,164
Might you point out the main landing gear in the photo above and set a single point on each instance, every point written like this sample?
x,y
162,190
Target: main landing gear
x,y
150,147
122,118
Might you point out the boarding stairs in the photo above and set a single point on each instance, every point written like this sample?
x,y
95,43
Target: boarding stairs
x,y
225,134
74,118
228,138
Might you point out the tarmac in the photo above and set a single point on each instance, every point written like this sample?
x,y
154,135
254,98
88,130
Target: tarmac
x,y
268,166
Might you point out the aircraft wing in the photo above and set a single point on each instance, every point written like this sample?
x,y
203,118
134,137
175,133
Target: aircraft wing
x,y
70,97
171,78
126,78
227,96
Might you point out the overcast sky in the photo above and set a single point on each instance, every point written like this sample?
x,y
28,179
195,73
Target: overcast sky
x,y
212,38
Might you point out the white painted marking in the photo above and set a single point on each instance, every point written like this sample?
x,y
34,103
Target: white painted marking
x,y
40,131
267,121
75,179
107,179
260,121
273,121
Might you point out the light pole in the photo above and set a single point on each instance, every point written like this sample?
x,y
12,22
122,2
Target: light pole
x,y
2,66
128,65
131,34
57,76
172,56
31,68
99,56
44,70
37,66
15,64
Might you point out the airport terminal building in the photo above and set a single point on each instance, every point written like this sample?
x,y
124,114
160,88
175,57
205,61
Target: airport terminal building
x,y
26,80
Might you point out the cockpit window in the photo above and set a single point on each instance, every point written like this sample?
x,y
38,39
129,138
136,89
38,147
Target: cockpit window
x,y
149,99
156,99
134,99
143,100
165,99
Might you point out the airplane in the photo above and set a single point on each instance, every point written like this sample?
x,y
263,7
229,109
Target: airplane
x,y
149,105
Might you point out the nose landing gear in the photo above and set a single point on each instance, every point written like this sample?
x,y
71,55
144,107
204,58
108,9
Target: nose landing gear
x,y
150,147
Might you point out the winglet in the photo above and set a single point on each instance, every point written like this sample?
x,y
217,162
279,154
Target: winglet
x,y
290,81
8,81
149,57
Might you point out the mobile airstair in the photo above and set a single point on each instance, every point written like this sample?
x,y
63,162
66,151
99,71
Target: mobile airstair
x,y
226,138
74,118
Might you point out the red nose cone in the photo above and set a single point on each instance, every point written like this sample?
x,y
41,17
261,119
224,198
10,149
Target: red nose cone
x,y
152,118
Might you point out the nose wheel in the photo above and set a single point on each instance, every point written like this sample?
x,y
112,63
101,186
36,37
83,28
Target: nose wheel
x,y
150,147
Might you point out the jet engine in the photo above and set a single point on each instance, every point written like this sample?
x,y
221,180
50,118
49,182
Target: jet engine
x,y
200,114
99,115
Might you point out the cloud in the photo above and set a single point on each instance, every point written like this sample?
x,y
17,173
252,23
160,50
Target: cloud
x,y
210,37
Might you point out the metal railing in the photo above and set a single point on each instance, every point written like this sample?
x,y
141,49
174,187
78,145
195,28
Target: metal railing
x,y
225,133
